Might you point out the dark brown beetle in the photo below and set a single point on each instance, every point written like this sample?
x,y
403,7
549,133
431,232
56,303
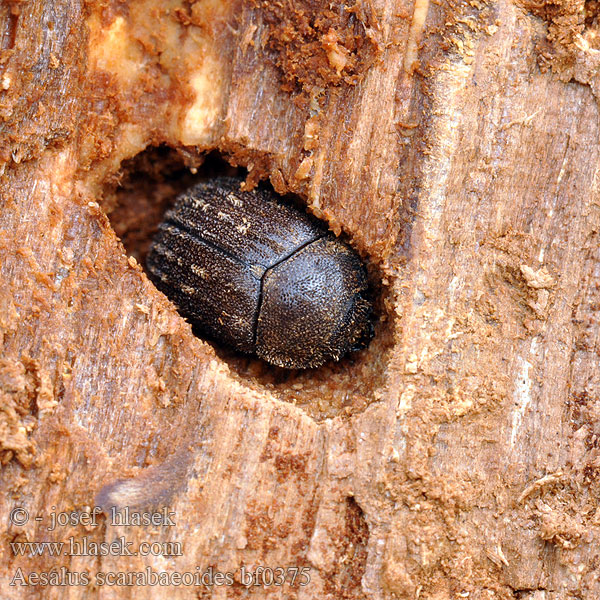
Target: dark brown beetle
x,y
260,276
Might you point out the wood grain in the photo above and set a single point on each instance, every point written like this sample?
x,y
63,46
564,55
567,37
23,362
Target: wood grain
x,y
458,455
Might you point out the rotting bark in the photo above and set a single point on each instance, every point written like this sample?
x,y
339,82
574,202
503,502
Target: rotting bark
x,y
456,146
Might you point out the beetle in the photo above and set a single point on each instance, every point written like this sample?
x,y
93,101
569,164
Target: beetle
x,y
258,275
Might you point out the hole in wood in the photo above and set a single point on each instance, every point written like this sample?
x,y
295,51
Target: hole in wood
x,y
136,201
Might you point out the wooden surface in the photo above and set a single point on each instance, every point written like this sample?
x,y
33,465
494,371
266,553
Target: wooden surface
x,y
456,146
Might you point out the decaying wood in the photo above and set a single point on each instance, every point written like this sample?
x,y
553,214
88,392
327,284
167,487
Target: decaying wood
x,y
456,146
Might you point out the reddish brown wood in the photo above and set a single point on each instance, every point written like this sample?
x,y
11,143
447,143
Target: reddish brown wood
x,y
458,455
